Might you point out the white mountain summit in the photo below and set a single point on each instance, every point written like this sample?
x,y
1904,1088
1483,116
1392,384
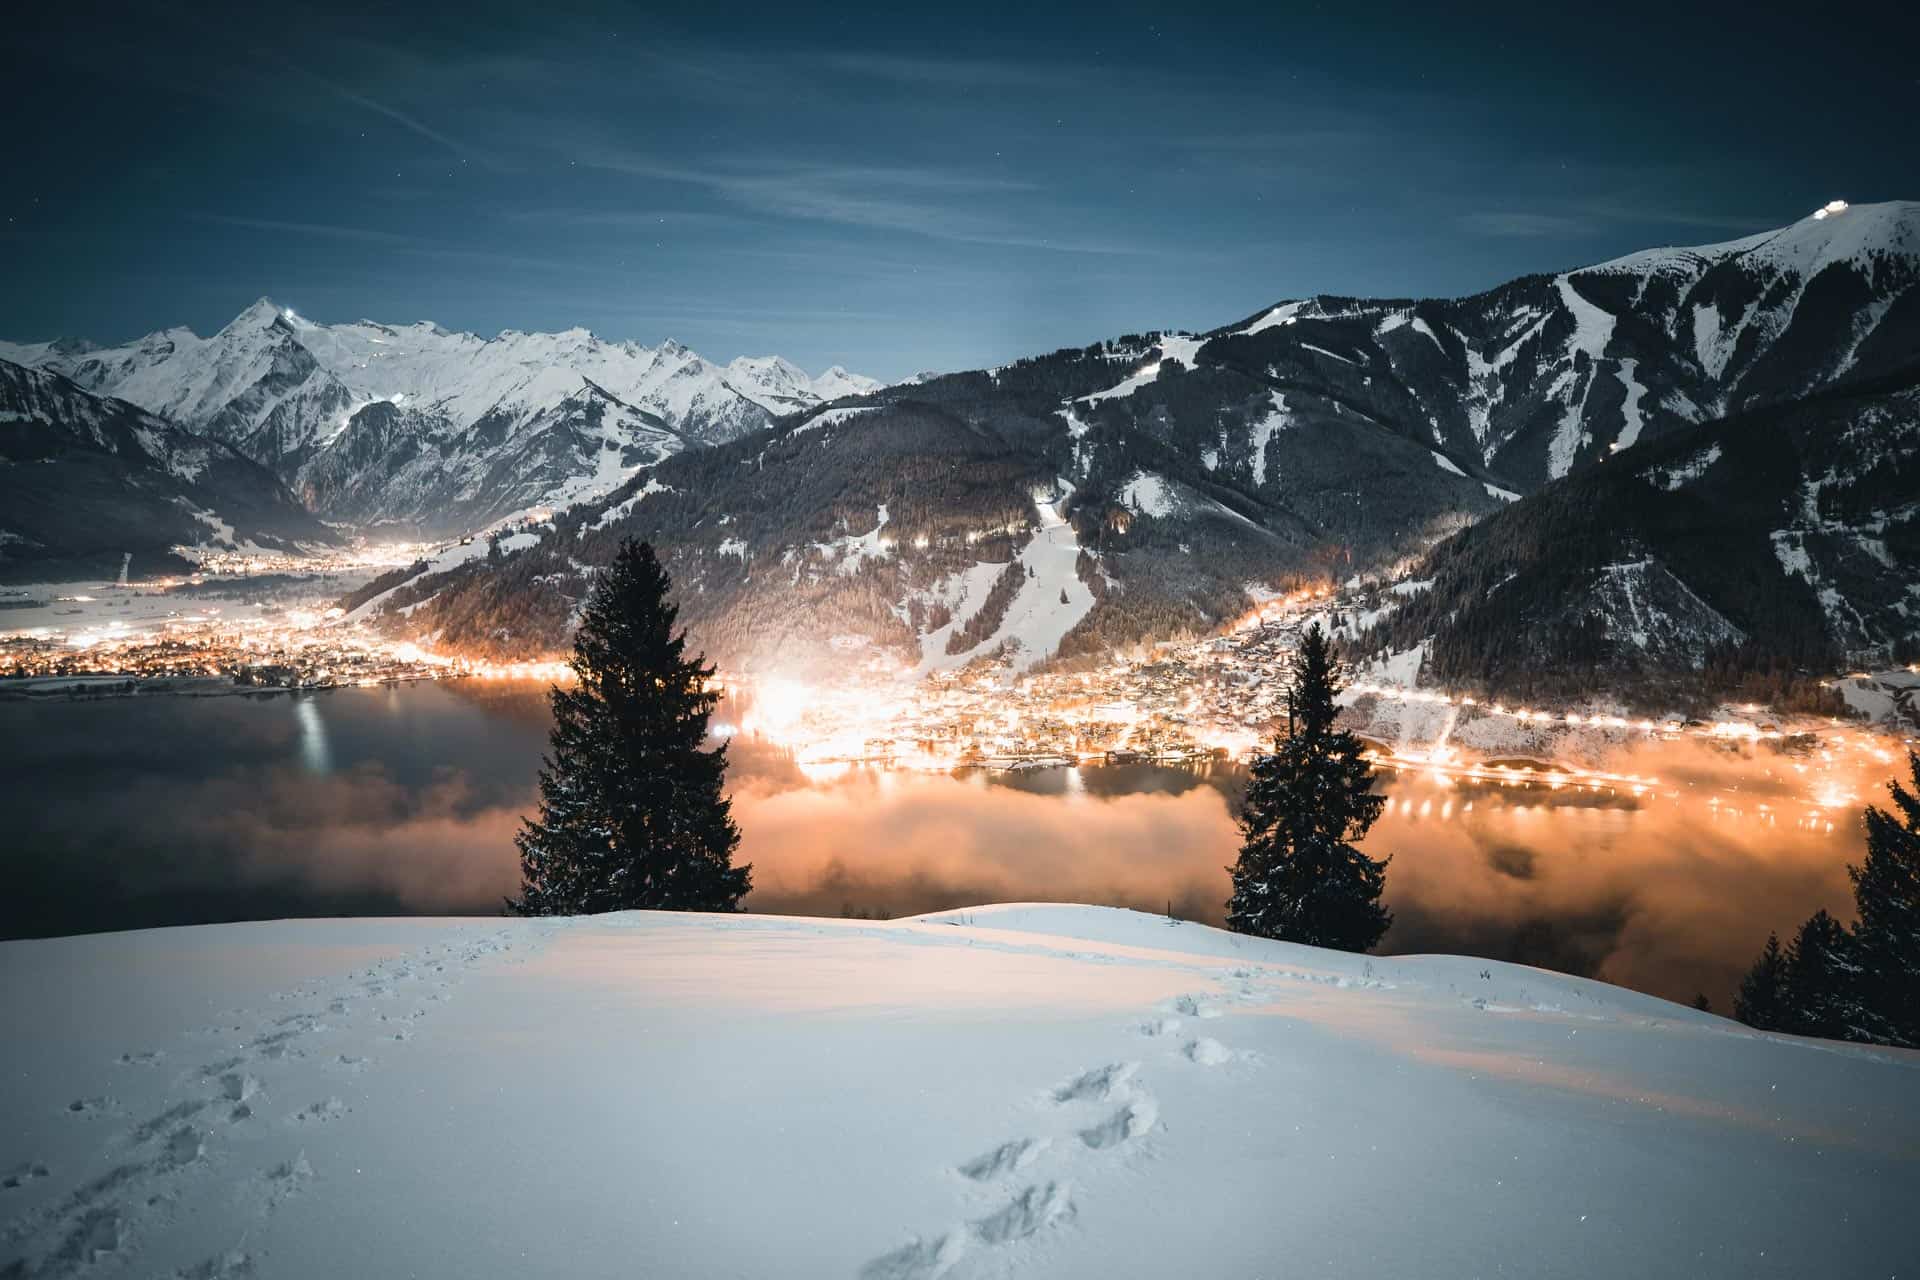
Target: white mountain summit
x,y
414,423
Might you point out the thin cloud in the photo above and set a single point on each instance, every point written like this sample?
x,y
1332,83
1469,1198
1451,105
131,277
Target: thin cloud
x,y
1526,226
957,72
322,230
1660,215
394,114
627,219
914,200
1590,219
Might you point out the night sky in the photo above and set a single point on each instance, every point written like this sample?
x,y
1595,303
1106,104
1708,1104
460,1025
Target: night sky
x,y
905,187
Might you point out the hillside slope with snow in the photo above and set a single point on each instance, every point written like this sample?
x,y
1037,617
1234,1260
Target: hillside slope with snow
x,y
1790,533
1318,439
1032,1090
372,422
1548,373
85,480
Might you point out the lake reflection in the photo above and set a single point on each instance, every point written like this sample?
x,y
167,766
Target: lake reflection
x,y
138,812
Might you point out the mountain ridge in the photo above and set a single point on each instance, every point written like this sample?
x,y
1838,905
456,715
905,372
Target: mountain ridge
x,y
1774,544
86,479
1316,439
284,390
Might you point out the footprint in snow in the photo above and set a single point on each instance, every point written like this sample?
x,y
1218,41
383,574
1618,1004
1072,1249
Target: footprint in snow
x,y
239,1086
1131,1121
1207,1052
32,1171
151,1129
283,1182
1004,1159
231,1265
1195,1007
1037,1207
184,1145
1097,1085
320,1112
97,1234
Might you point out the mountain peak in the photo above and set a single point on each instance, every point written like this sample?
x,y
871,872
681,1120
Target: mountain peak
x,y
1836,230
263,312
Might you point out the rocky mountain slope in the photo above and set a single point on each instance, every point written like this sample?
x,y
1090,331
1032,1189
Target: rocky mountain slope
x,y
375,423
1781,539
85,479
1548,373
1189,473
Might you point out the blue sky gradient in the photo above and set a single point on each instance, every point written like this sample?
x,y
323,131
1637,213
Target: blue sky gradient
x,y
901,188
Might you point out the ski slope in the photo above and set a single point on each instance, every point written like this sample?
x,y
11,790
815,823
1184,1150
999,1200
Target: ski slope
x,y
1051,1091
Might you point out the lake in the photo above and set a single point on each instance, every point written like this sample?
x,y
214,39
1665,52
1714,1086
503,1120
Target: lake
x,y
138,812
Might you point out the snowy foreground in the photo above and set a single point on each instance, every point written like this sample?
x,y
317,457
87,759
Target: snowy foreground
x,y
1025,1090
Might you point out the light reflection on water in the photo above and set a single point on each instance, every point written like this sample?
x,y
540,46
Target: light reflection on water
x,y
395,800
313,736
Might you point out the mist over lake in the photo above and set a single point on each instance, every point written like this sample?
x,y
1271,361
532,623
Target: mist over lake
x,y
142,812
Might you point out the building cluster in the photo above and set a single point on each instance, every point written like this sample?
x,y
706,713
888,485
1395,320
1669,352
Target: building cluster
x,y
1178,701
256,654
294,649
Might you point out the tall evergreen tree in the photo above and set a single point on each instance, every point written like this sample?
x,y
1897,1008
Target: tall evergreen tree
x,y
1820,997
1861,983
1762,999
1886,893
1299,877
632,813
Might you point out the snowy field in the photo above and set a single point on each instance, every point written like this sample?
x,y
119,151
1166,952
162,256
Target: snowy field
x,y
1028,1090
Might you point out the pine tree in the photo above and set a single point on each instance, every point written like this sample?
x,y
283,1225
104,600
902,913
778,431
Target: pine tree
x,y
1864,983
1819,998
632,813
1762,999
1299,877
1886,894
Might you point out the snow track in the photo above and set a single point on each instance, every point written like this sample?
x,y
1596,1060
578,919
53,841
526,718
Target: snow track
x,y
1024,1090
229,1127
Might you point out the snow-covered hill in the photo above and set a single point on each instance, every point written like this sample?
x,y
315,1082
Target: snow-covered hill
x,y
1011,1091
445,430
85,480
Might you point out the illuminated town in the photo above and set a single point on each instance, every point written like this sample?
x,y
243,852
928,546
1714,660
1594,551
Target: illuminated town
x,y
1223,698
246,621
1220,698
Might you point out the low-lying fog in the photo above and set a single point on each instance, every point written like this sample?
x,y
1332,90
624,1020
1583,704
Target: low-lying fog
x,y
140,812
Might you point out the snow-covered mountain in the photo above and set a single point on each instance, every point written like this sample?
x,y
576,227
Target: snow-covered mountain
x,y
1544,374
85,479
1785,538
782,387
373,422
1316,439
